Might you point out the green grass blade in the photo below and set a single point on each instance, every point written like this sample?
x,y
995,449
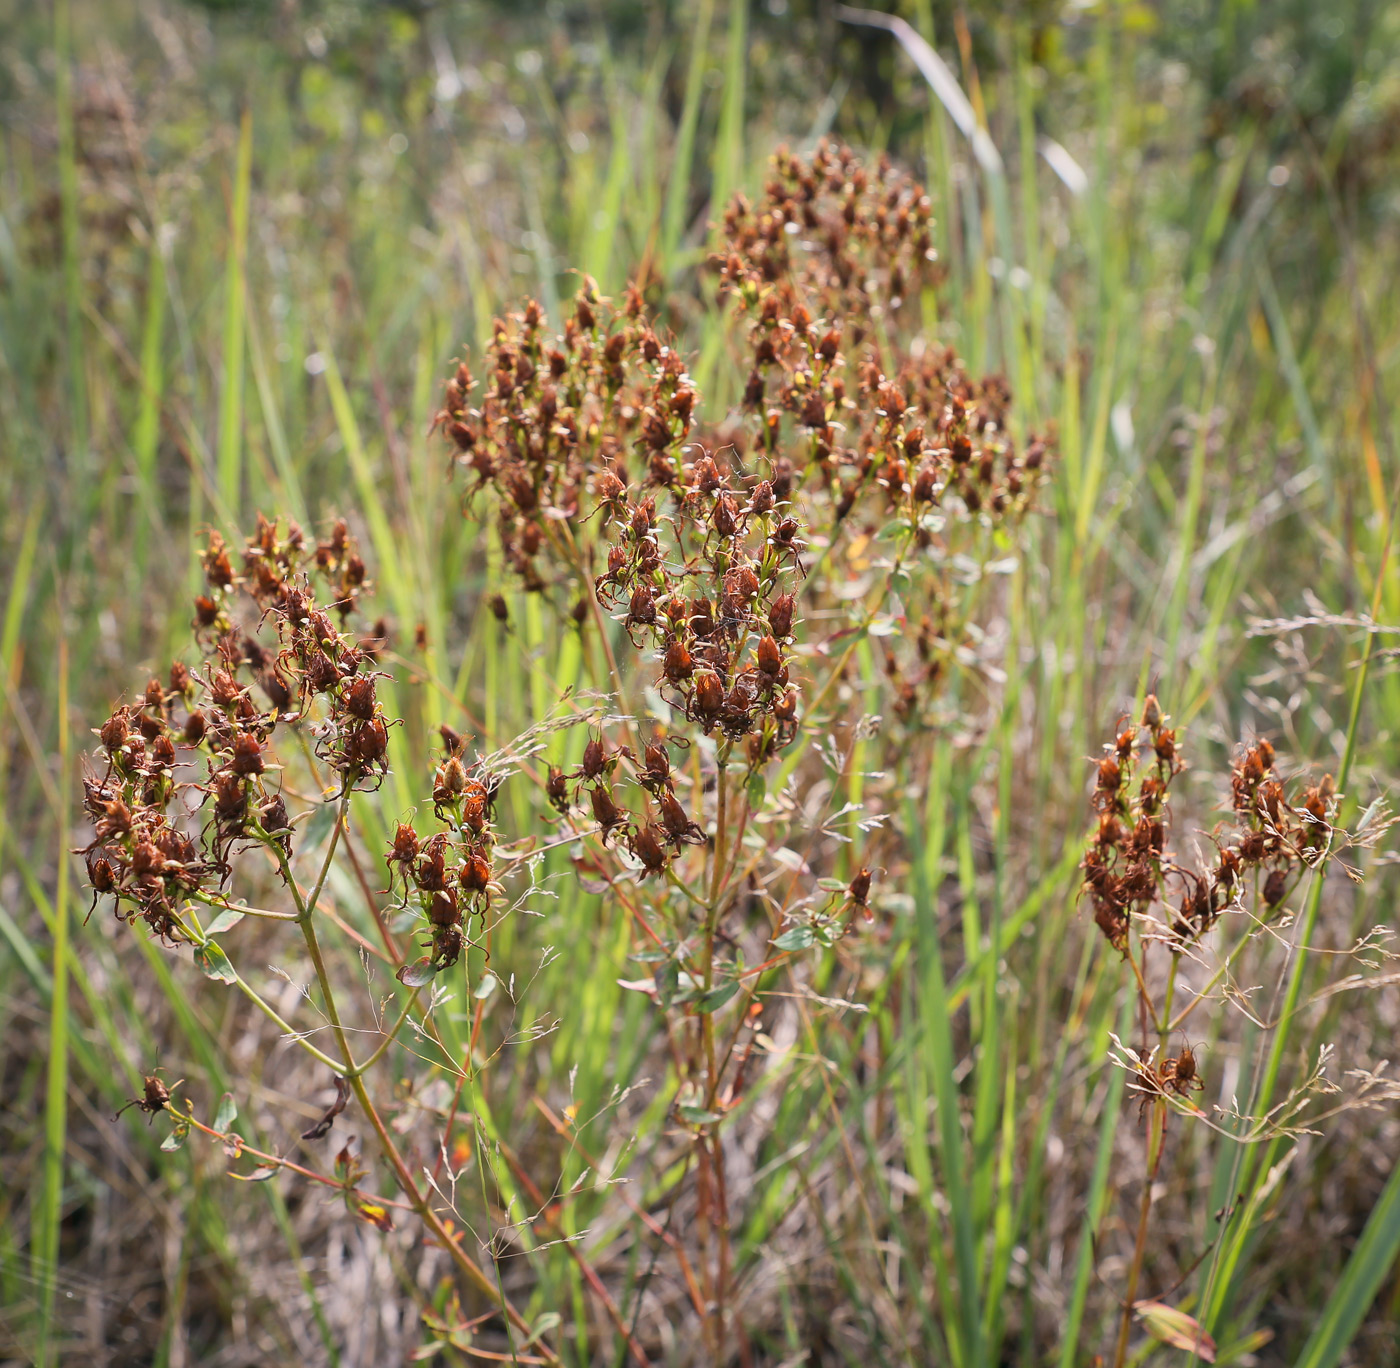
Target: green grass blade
x,y
678,186
235,302
49,1212
1373,1258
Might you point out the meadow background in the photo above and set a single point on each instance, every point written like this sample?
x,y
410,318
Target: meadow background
x,y
239,244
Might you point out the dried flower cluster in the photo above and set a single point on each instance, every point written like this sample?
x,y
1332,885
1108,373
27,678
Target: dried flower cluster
x,y
1128,868
451,871
736,555
161,838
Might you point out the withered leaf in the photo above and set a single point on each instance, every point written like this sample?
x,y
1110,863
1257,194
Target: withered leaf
x,y
342,1096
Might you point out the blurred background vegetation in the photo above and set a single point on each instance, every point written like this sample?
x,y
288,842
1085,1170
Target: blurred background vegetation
x,y
239,243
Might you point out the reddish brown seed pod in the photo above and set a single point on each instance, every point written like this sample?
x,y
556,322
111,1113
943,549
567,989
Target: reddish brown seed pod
x,y
605,811
702,618
449,781
709,696
742,582
646,846
1275,887
785,709
155,1097
679,828
443,909
114,731
247,755
1151,712
195,727
1110,775
726,516
770,658
556,788
431,873
641,610
405,848
859,889
147,861
677,665
656,771
475,801
780,613
475,875
368,743
360,697
595,759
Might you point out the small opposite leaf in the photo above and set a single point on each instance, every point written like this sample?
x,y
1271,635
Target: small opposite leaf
x,y
375,1214
666,977
790,860
550,1320
318,826
758,789
213,963
699,1116
718,996
799,938
228,917
176,1138
322,1127
228,1113
1170,1326
417,974
258,1175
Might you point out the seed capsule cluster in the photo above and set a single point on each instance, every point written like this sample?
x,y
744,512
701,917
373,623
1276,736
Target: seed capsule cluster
x,y
449,873
161,837
1127,867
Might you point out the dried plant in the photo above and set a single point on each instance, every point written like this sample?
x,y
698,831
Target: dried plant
x,y
720,570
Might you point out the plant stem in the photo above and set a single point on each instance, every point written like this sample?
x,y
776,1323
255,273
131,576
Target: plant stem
x,y
1156,1137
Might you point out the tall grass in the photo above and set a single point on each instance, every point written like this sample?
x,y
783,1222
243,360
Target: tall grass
x,y
1216,350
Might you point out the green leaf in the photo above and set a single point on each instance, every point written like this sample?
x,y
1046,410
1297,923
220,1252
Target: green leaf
x,y
758,789
228,1113
718,996
176,1138
319,825
666,977
698,1116
688,989
799,938
1370,1262
488,985
417,974
213,963
227,918
550,1320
